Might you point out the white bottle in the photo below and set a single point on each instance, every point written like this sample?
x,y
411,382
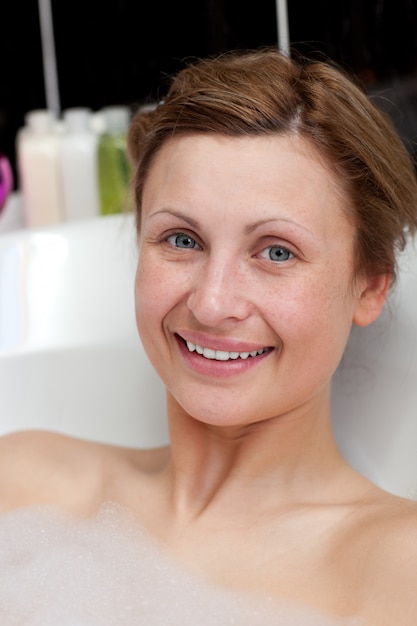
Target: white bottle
x,y
37,147
78,157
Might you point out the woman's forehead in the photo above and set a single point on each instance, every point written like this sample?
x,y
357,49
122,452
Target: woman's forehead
x,y
277,166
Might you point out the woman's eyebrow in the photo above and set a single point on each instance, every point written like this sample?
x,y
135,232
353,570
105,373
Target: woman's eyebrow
x,y
192,222
249,228
252,227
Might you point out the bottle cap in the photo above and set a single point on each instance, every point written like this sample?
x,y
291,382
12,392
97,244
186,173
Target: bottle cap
x,y
116,119
77,119
98,122
40,120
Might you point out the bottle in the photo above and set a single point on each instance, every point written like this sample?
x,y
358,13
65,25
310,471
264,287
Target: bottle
x,y
114,170
6,180
39,173
78,160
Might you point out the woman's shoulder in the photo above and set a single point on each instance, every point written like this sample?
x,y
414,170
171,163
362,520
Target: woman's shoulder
x,y
43,467
388,543
395,520
388,525
400,536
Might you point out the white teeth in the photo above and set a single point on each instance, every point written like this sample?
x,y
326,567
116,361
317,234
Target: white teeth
x,y
221,355
209,354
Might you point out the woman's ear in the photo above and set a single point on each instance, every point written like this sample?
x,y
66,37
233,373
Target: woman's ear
x,y
372,295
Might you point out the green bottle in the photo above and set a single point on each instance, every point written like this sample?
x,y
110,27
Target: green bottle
x,y
114,169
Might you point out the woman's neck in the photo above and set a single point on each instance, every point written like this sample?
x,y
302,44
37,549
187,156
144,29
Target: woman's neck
x,y
286,459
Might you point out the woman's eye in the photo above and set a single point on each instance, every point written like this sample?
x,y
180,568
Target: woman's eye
x,y
277,253
182,240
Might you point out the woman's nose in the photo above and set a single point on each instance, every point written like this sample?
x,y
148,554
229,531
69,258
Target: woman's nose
x,y
220,292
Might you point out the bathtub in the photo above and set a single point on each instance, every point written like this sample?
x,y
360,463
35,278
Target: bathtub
x,y
375,390
71,360
70,356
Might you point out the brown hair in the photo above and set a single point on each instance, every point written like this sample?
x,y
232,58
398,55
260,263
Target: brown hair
x,y
263,92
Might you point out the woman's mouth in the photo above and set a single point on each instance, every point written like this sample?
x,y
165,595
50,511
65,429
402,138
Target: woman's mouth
x,y
223,355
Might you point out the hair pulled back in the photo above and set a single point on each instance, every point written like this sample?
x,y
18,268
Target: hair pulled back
x,y
263,92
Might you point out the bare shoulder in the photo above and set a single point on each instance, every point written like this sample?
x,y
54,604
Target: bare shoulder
x,y
396,527
398,538
389,544
42,467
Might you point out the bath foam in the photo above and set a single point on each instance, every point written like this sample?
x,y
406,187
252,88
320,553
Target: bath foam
x,y
107,571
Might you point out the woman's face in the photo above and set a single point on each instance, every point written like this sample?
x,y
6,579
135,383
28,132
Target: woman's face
x,y
244,291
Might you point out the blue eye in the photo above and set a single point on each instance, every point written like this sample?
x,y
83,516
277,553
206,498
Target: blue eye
x,y
278,254
182,240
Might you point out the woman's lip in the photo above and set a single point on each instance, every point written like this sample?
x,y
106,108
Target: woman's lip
x,y
218,368
218,343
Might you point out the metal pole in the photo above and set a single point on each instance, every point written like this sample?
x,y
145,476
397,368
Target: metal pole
x,y
49,57
283,27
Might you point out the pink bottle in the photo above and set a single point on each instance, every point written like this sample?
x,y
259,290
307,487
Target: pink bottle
x,y
6,180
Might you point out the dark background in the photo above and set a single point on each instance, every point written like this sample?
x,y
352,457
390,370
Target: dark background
x,y
122,51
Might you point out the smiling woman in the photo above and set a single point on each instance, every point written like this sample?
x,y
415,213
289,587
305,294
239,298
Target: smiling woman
x,y
284,238
272,198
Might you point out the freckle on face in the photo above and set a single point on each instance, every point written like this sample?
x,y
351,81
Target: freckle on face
x,y
221,184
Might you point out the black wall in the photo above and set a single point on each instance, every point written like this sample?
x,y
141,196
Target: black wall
x,y
121,51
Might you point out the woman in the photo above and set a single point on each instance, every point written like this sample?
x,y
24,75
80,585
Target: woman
x,y
271,200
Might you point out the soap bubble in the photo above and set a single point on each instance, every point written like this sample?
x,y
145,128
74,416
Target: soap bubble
x,y
108,571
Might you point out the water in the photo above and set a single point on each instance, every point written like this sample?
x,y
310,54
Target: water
x,y
108,571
